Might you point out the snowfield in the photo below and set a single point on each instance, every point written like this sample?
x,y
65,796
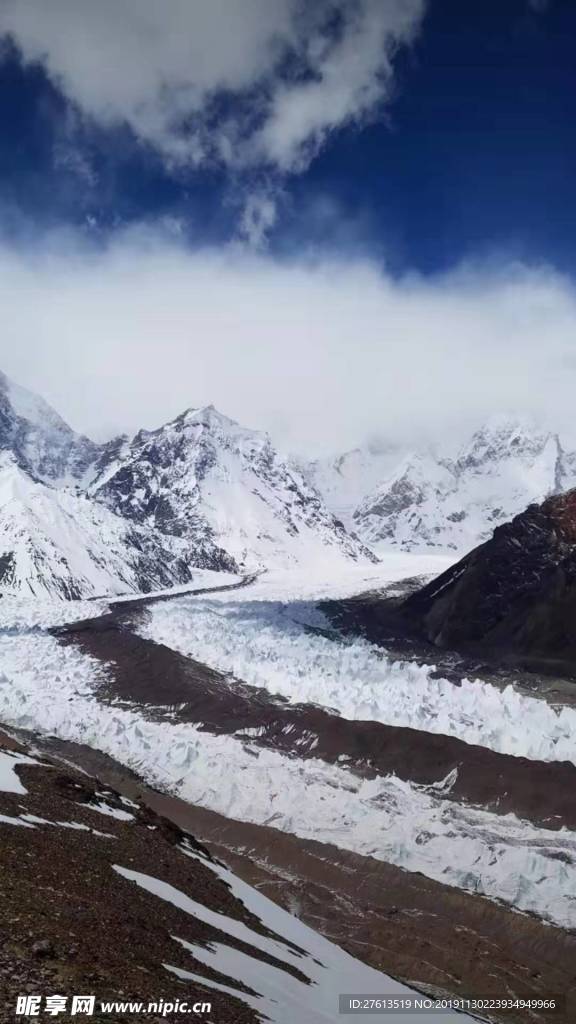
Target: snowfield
x,y
269,644
327,581
19,612
53,690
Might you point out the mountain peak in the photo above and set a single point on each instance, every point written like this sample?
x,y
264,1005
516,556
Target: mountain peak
x,y
429,498
505,436
41,442
218,428
26,405
208,415
507,428
511,423
225,492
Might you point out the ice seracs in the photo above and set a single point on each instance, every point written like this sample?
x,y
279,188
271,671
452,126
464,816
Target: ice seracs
x,y
53,689
286,647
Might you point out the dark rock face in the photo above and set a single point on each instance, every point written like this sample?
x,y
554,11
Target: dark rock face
x,y
515,594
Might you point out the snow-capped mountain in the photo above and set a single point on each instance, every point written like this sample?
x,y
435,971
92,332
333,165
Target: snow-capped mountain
x,y
436,499
406,509
54,541
226,491
345,480
79,519
202,491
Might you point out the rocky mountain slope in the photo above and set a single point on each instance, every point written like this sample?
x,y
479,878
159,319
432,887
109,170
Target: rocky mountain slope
x,y
79,519
515,595
83,912
224,489
434,498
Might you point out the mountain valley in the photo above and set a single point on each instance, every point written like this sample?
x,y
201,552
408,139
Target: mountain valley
x,y
186,618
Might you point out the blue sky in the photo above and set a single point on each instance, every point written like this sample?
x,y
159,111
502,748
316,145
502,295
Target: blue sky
x,y
475,154
426,146
480,153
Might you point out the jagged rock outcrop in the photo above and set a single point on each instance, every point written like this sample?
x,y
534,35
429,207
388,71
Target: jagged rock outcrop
x,y
226,490
514,596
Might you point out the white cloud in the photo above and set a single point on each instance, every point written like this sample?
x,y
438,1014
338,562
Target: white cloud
x,y
351,80
292,70
259,215
321,354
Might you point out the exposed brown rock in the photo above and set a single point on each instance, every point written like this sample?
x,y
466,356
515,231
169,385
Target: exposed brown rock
x,y
512,599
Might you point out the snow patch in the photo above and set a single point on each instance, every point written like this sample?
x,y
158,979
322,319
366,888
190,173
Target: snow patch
x,y
9,779
110,811
283,998
7,820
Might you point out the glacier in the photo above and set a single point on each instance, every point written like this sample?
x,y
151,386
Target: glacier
x,y
53,690
277,645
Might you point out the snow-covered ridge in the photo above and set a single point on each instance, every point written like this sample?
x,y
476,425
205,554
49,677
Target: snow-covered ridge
x,y
41,442
435,498
80,519
205,492
56,541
